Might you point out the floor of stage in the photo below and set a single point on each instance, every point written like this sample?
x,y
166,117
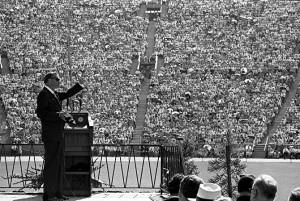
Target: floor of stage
x,y
94,197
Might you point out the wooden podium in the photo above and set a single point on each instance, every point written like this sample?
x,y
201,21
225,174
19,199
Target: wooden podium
x,y
78,156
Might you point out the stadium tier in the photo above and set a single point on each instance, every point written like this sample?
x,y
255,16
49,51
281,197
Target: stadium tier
x,y
215,67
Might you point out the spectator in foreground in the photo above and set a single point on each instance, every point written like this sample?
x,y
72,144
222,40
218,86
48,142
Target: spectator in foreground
x,y
244,188
189,187
224,199
208,192
295,195
173,187
264,188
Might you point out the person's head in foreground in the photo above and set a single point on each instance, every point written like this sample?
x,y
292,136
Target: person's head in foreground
x,y
189,186
209,192
264,188
295,195
224,199
244,186
174,183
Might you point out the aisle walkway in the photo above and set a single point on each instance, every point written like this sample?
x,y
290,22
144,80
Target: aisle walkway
x,y
141,112
150,38
286,104
5,65
4,132
142,107
134,65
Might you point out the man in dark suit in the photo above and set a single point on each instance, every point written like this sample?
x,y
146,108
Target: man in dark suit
x,y
244,187
53,118
173,187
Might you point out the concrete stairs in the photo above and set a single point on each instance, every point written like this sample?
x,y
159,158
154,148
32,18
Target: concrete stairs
x,y
150,38
142,12
141,112
160,63
259,151
4,131
164,11
134,65
5,64
142,106
286,104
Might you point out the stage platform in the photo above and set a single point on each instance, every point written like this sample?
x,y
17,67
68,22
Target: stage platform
x,y
97,196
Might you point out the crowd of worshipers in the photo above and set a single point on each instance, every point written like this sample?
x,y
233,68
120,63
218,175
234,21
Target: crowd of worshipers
x,y
104,36
191,187
228,67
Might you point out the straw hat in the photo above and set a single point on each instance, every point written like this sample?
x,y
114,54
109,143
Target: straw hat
x,y
209,191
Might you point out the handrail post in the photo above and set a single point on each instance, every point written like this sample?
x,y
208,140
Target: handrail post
x,y
267,142
161,168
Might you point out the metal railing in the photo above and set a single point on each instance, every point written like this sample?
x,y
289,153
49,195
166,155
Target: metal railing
x,y
114,166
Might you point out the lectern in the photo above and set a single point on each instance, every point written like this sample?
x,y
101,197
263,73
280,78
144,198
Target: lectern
x,y
78,156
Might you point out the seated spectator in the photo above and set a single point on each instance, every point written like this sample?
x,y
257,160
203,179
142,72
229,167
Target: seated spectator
x,y
208,192
244,188
173,187
295,195
264,188
189,187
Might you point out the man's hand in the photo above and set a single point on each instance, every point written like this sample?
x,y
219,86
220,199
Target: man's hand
x,y
62,114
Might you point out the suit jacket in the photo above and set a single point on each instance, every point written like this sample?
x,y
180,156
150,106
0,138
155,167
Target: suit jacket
x,y
47,110
172,199
243,198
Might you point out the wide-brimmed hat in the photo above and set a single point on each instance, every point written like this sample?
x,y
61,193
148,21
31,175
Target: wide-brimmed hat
x,y
209,191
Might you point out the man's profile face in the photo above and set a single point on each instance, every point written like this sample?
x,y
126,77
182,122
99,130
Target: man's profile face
x,y
253,194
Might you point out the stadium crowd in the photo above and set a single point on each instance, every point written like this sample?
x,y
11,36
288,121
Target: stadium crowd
x,y
104,36
228,67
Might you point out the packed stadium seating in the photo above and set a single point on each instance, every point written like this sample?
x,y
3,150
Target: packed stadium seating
x,y
103,38
228,67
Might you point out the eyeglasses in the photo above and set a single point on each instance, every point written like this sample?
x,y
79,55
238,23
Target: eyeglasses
x,y
55,78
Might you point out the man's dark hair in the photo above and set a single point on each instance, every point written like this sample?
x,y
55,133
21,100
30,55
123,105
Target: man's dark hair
x,y
189,186
295,195
174,183
245,184
48,76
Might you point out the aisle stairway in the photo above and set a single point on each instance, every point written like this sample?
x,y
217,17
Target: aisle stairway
x,y
160,63
142,109
164,11
142,11
142,106
5,70
259,150
4,132
286,105
150,38
134,65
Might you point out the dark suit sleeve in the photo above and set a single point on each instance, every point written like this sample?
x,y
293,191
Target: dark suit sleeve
x,y
71,92
43,108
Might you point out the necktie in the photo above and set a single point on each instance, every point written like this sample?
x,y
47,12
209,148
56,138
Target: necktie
x,y
56,96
